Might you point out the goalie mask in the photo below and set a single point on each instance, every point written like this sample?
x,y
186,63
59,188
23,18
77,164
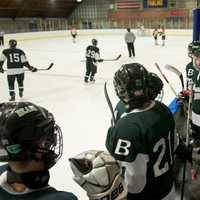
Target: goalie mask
x,y
29,132
131,84
99,174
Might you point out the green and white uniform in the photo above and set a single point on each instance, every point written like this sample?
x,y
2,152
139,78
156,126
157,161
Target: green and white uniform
x,y
143,142
189,73
46,193
196,98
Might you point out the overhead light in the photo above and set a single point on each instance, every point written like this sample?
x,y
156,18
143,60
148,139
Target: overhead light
x,y
79,0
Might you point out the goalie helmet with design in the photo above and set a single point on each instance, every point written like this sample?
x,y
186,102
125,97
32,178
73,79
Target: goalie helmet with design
x,y
99,174
25,131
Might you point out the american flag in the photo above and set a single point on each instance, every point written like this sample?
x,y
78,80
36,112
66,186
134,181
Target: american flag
x,y
128,4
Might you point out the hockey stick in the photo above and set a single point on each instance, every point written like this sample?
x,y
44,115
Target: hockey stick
x,y
115,59
187,140
109,103
156,64
177,72
43,69
112,59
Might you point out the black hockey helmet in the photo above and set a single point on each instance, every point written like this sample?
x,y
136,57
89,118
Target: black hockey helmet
x,y
131,84
94,42
12,43
26,131
195,48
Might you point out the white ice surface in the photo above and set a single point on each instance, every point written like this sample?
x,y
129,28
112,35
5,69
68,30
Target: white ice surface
x,y
81,110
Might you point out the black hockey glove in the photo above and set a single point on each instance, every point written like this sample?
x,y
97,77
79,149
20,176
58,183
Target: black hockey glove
x,y
33,69
183,152
100,60
1,70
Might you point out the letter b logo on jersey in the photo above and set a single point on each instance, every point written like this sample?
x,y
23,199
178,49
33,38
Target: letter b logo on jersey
x,y
122,147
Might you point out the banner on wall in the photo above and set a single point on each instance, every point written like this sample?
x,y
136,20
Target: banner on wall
x,y
155,3
128,4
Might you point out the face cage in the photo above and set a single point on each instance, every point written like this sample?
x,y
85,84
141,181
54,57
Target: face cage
x,y
49,149
160,96
120,90
52,147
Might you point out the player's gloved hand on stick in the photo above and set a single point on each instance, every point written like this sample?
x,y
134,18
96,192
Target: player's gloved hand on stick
x,y
100,60
183,152
99,174
183,96
33,69
1,70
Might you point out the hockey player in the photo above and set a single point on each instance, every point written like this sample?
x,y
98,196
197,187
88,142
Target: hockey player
x,y
195,81
142,140
74,34
2,38
99,174
16,60
163,35
31,143
190,68
155,35
92,57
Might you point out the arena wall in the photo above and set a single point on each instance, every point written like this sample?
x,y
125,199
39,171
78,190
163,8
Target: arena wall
x,y
62,34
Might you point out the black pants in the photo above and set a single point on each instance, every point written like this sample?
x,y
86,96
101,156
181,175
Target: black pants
x,y
11,83
91,70
131,49
2,40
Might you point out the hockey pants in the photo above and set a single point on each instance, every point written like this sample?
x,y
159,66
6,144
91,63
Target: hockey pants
x,y
91,70
11,83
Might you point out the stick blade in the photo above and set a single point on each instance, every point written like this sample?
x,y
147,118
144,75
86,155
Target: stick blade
x,y
173,69
50,66
177,72
119,56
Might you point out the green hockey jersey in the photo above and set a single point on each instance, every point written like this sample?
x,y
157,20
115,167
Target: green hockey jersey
x,y
143,142
196,98
189,73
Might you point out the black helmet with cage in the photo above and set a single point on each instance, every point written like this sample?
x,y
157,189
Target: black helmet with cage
x,y
134,85
130,83
26,131
12,43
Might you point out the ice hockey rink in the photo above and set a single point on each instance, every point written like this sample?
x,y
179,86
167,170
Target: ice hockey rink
x,y
81,110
